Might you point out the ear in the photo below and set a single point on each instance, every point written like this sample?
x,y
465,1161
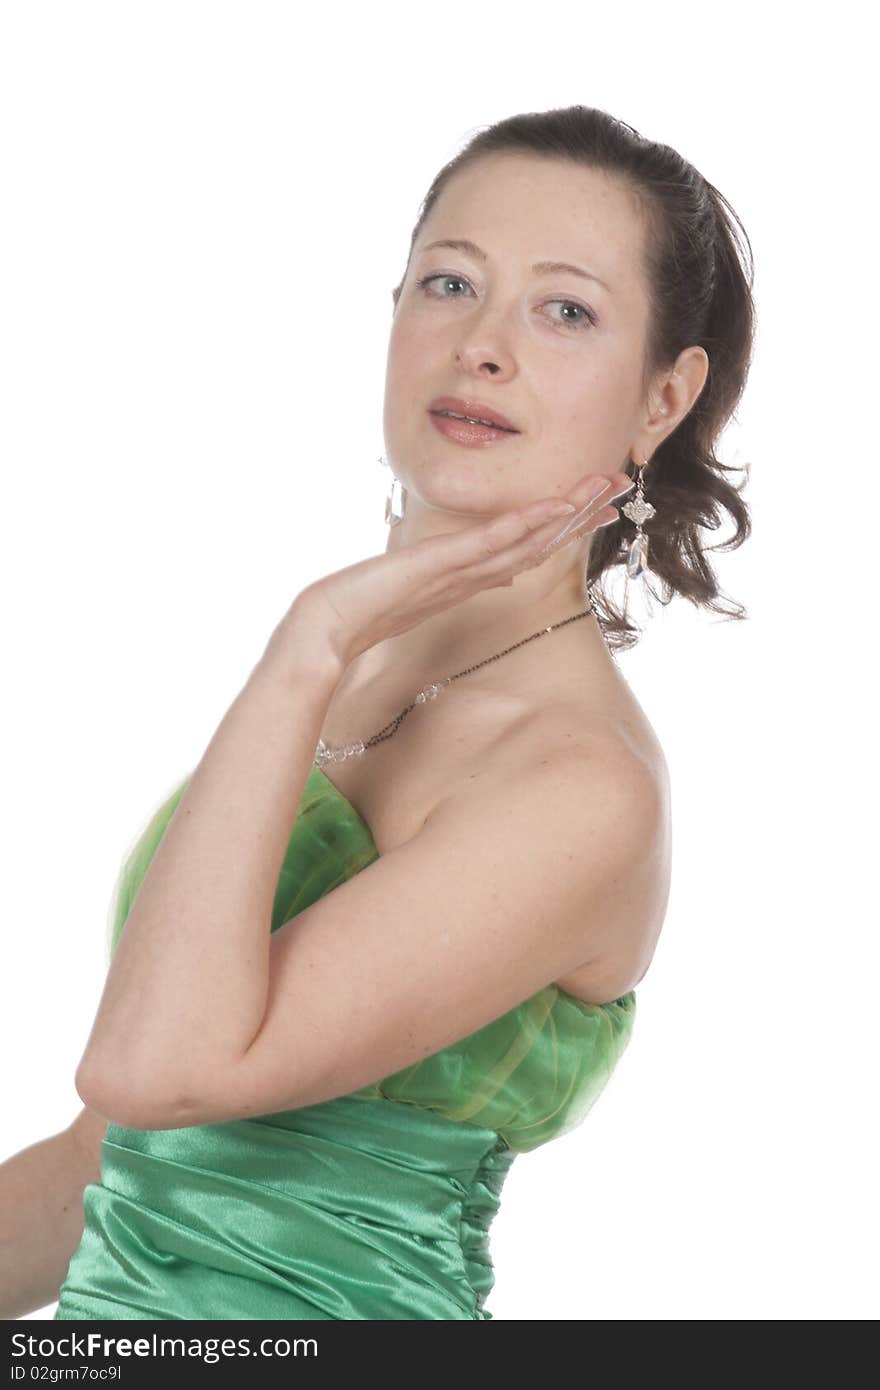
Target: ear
x,y
676,396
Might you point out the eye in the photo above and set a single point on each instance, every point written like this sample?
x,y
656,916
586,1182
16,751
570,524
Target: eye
x,y
427,280
587,317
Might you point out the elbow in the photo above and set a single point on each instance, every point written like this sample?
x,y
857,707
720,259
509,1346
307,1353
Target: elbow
x,y
110,1094
88,1085
96,1090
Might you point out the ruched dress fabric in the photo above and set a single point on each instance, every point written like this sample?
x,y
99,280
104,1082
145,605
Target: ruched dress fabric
x,y
373,1205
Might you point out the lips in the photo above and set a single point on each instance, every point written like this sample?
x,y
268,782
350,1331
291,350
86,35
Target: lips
x,y
476,410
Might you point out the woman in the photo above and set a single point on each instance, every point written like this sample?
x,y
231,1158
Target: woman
x,y
465,885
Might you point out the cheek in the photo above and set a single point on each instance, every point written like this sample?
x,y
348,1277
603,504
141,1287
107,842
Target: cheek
x,y
399,365
407,384
597,394
416,367
585,421
417,350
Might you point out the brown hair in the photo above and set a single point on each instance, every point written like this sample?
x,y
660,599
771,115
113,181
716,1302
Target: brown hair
x,y
700,288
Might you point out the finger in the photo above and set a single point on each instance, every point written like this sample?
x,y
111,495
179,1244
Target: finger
x,y
458,554
513,540
596,512
606,515
589,496
511,528
511,537
532,548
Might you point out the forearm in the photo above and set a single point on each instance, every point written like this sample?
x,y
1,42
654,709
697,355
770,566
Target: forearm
x,y
41,1221
187,989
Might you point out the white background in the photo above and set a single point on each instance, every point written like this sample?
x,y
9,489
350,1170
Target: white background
x,y
205,207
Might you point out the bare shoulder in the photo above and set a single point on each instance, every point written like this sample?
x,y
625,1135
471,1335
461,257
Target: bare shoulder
x,y
611,767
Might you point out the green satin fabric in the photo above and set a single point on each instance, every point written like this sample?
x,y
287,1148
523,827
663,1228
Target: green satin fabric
x,y
373,1205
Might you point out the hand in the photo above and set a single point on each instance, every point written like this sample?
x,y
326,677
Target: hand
x,y
353,609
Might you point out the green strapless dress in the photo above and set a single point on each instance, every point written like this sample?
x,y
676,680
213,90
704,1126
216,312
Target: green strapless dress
x,y
373,1205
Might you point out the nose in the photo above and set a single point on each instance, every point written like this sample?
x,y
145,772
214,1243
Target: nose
x,y
481,357
484,343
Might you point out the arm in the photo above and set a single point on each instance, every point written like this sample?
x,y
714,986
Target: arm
x,y
187,987
41,1213
509,886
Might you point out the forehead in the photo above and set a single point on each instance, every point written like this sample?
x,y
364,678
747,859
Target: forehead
x,y
527,208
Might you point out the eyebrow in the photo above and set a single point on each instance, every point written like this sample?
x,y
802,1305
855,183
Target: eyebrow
x,y
540,267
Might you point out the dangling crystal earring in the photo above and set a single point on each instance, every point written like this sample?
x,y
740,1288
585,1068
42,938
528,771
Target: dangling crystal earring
x,y
395,502
638,510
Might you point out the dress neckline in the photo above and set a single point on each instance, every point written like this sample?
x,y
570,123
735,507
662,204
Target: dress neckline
x,y
623,999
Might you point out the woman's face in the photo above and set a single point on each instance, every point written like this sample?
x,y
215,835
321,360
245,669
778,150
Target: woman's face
x,y
557,353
